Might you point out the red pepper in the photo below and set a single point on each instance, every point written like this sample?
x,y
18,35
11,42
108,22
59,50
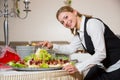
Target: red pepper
x,y
9,56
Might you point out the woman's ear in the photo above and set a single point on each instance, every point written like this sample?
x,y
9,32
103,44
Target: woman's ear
x,y
75,12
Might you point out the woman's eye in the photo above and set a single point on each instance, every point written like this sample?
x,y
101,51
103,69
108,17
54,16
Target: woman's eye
x,y
62,22
65,17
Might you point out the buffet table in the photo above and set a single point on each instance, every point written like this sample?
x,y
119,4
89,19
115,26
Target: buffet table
x,y
38,75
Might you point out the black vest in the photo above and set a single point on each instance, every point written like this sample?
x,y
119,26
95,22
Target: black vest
x,y
112,43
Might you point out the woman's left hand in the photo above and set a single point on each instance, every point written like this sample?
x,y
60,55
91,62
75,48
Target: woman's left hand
x,y
70,68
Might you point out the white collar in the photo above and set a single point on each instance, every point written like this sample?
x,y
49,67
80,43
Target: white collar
x,y
82,24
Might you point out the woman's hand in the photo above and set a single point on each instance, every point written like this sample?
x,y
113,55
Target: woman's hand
x,y
70,68
45,44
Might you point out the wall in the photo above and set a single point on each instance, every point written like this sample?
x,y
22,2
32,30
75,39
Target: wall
x,y
42,24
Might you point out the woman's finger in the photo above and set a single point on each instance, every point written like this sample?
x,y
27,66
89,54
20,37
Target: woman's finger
x,y
70,68
44,43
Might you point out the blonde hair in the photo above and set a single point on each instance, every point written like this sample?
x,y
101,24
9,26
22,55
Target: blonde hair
x,y
70,9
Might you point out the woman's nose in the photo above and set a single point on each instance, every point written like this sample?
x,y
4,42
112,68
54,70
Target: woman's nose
x,y
65,23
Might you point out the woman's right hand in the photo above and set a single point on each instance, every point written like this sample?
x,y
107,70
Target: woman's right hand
x,y
46,44
71,69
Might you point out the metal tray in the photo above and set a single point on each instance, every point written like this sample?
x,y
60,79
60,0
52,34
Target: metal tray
x,y
38,69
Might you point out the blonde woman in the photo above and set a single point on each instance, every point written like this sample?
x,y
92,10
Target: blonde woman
x,y
96,38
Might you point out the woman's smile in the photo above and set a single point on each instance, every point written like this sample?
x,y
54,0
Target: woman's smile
x,y
69,24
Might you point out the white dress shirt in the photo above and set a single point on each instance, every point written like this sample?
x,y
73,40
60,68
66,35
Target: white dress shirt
x,y
95,29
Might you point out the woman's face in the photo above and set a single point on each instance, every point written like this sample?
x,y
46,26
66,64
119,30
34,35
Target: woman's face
x,y
68,19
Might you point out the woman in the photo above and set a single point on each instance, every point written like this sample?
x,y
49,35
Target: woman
x,y
96,38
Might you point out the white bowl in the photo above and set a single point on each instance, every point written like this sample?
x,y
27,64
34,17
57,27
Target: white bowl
x,y
25,50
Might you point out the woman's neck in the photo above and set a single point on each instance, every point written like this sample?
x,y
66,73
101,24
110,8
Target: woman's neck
x,y
78,22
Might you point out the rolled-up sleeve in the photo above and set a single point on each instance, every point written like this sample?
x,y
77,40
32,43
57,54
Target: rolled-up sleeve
x,y
70,48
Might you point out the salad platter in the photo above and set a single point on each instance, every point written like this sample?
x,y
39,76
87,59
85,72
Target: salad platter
x,y
42,60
